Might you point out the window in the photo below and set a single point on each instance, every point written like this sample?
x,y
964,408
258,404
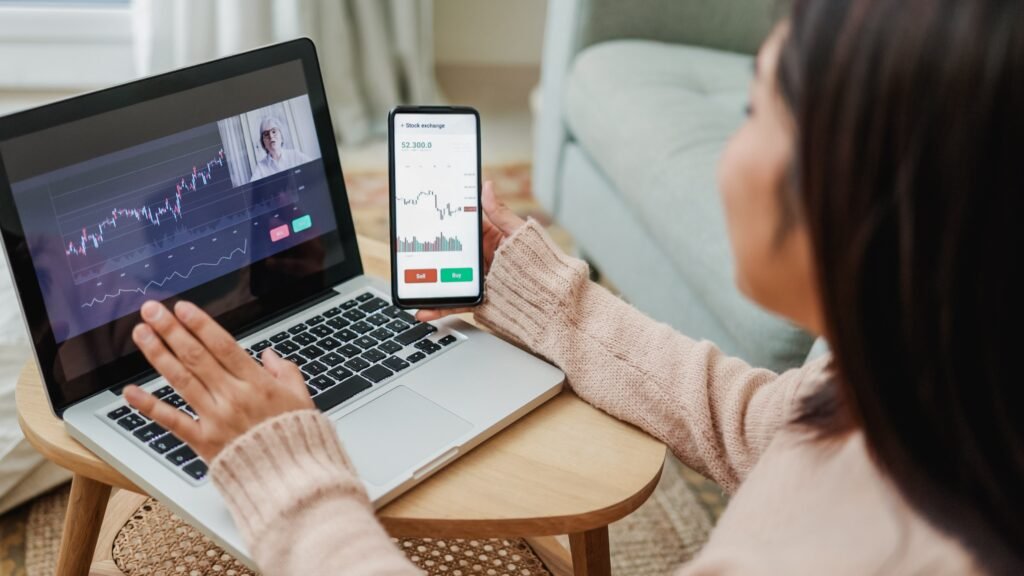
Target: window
x,y
64,46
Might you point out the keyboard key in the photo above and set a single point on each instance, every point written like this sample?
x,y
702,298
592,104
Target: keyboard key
x,y
343,391
348,305
373,356
332,312
416,357
340,373
382,334
431,348
415,333
304,339
406,317
364,296
196,469
354,315
261,346
397,326
362,327
165,444
332,359
165,391
376,373
312,391
391,311
279,337
321,331
175,400
286,347
122,411
357,364
378,319
447,340
149,432
312,351
390,347
181,455
365,342
321,383
337,323
350,350
297,329
315,320
328,343
314,368
396,363
373,305
345,335
296,359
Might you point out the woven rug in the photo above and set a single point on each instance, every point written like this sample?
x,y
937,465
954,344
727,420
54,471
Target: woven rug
x,y
663,533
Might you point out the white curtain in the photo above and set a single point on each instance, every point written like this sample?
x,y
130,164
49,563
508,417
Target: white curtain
x,y
373,54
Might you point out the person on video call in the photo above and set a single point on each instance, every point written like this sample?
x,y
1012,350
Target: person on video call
x,y
278,157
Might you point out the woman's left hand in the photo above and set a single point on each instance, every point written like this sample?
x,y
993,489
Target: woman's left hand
x,y
229,391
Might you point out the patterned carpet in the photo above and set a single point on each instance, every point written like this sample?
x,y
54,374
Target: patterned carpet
x,y
665,532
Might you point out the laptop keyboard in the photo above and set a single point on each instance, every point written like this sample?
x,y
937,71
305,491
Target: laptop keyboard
x,y
342,351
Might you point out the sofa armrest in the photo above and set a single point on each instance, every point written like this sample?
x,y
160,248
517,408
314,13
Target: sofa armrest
x,y
572,25
732,25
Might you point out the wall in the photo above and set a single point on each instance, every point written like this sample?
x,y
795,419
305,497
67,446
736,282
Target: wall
x,y
489,51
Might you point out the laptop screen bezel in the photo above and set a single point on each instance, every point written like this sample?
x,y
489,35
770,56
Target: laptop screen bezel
x,y
133,367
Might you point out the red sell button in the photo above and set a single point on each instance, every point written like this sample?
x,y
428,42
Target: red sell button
x,y
421,276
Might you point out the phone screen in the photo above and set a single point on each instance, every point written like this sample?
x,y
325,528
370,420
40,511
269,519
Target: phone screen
x,y
436,207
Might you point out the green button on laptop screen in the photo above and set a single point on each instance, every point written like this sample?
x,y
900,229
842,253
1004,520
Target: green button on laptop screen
x,y
300,224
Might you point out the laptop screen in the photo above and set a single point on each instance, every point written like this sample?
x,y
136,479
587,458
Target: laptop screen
x,y
218,193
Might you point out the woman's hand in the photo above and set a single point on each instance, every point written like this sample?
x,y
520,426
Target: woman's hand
x,y
499,223
229,391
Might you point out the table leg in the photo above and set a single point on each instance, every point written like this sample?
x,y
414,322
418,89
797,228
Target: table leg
x,y
590,553
86,507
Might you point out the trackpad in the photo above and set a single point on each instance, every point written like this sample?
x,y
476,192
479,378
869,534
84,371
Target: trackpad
x,y
397,432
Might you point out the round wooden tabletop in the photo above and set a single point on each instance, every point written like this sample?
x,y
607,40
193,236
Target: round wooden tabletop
x,y
564,468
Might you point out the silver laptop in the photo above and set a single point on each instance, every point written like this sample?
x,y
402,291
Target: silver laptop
x,y
160,189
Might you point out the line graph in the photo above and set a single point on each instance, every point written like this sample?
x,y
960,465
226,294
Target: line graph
x,y
160,283
445,211
154,214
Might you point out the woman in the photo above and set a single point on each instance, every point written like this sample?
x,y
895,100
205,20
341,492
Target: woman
x,y
871,197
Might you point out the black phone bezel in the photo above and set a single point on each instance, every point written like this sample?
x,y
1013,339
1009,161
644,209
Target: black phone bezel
x,y
454,302
340,244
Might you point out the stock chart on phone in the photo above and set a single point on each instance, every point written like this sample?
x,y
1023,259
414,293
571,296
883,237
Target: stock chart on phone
x,y
436,205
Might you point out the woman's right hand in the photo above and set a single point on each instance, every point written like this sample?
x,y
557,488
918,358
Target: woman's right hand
x,y
499,222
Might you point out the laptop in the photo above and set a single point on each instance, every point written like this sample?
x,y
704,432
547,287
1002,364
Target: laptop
x,y
159,189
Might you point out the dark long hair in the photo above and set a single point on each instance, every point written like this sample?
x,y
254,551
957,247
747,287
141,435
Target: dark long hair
x,y
909,173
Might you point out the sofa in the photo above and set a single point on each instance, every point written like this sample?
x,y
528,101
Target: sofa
x,y
637,101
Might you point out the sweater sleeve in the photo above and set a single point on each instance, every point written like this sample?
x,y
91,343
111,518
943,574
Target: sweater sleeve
x,y
291,490
716,413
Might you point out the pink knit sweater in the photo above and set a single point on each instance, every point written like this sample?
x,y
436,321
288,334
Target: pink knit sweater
x,y
798,507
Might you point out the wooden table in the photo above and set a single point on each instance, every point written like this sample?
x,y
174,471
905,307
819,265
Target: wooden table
x,y
565,468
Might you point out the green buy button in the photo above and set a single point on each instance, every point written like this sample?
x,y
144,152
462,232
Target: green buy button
x,y
300,224
456,274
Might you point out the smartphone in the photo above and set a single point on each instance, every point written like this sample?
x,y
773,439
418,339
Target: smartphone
x,y
436,222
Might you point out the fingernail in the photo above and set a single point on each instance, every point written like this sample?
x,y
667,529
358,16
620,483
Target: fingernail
x,y
132,393
184,309
142,333
152,310
270,352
